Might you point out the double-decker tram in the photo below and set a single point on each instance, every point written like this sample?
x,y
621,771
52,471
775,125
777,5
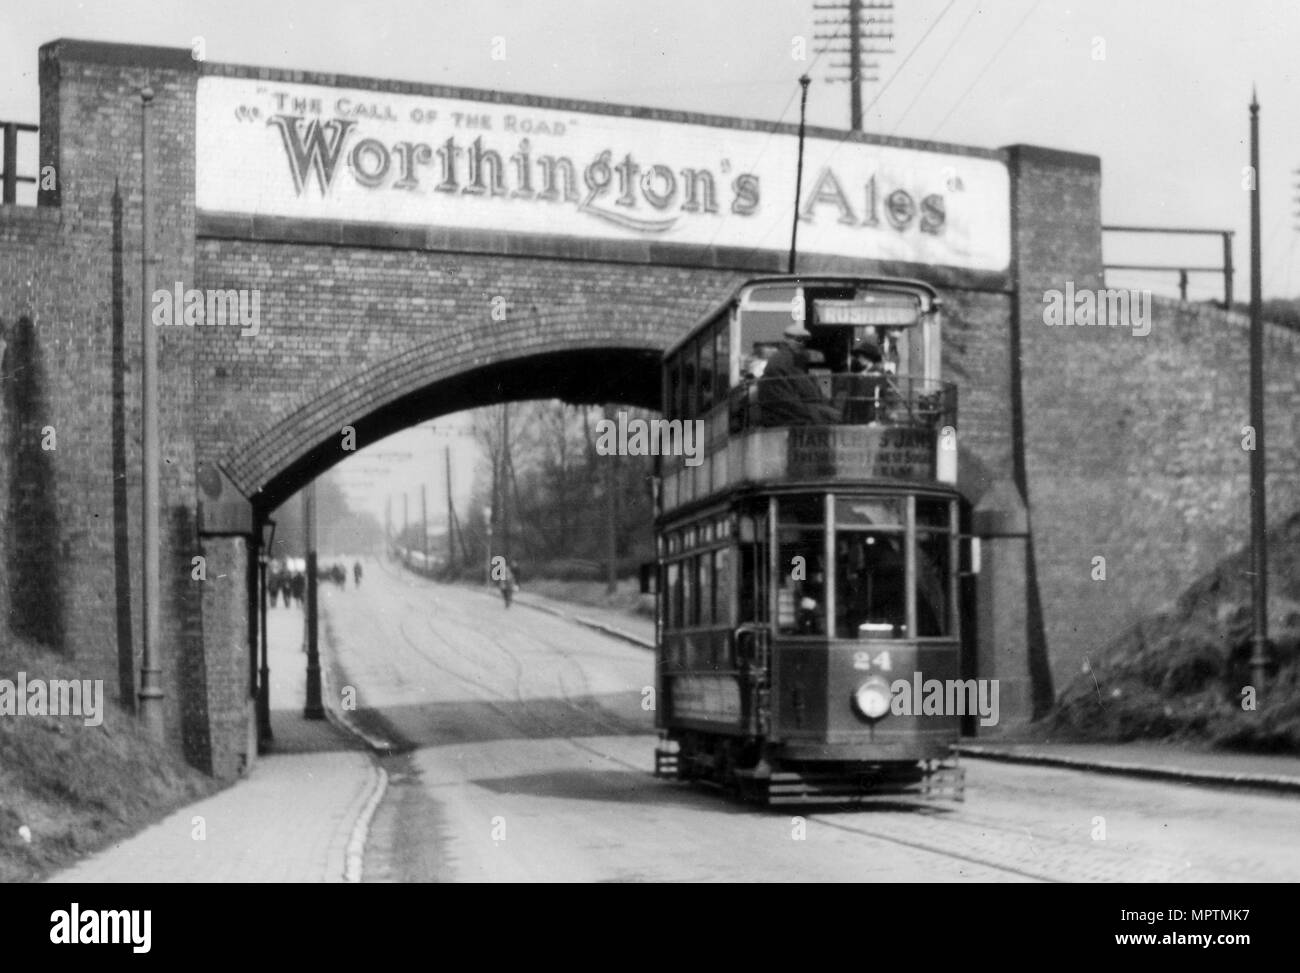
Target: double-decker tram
x,y
808,553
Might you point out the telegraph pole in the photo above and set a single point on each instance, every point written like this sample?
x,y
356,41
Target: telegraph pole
x,y
505,489
424,525
451,514
1258,537
151,693
852,27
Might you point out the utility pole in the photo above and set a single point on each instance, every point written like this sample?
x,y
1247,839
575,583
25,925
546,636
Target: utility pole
x,y
851,29
451,515
505,465
1258,537
424,525
151,693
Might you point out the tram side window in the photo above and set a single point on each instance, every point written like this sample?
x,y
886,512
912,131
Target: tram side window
x,y
690,603
704,604
673,404
751,571
870,596
801,581
690,381
706,373
752,536
722,587
673,590
933,567
722,361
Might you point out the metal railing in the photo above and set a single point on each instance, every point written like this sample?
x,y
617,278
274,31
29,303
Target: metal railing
x,y
1182,270
9,178
843,400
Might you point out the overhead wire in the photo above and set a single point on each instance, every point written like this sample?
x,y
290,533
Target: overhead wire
x,y
767,141
983,71
845,137
930,77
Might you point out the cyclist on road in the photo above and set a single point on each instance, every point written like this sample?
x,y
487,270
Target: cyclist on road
x,y
509,581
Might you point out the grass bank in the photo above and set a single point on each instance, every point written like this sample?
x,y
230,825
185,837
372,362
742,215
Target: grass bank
x,y
627,599
67,789
1183,674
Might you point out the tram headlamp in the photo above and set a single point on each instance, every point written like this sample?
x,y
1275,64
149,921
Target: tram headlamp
x,y
872,698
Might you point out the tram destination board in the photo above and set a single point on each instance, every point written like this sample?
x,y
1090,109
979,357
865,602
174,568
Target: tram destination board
x,y
884,452
878,311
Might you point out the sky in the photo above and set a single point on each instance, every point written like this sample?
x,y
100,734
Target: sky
x,y
1159,90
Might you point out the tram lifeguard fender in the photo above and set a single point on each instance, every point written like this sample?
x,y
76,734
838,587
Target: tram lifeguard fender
x,y
1000,512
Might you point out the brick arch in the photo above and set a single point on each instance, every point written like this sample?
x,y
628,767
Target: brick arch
x,y
539,356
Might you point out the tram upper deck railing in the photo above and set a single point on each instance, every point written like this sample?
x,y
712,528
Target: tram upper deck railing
x,y
837,429
842,400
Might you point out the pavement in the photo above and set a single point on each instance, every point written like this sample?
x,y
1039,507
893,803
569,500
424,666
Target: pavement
x,y
299,815
1152,761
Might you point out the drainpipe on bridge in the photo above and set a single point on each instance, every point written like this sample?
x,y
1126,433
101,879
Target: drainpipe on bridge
x,y
151,694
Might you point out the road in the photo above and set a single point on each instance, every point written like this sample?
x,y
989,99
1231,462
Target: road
x,y
524,754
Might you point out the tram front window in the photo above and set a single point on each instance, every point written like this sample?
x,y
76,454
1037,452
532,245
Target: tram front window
x,y
870,574
932,557
801,596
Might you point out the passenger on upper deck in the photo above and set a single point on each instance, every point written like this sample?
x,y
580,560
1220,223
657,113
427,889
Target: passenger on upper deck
x,y
787,394
867,395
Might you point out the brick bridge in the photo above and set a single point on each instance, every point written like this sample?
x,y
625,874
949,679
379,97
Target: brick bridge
x,y
1120,446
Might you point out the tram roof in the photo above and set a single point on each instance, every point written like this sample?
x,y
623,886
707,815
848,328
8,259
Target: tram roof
x,y
798,280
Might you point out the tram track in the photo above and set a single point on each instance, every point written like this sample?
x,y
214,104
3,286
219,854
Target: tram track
x,y
525,682
493,698
448,642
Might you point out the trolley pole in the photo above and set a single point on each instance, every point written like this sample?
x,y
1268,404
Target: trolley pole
x,y
1258,538
151,693
855,65
798,174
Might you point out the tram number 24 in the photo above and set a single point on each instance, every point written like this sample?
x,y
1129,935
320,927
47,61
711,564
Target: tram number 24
x,y
863,660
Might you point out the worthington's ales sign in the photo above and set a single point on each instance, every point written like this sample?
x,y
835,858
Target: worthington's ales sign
x,y
323,153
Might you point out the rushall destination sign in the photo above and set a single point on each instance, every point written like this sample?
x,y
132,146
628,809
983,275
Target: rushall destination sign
x,y
323,153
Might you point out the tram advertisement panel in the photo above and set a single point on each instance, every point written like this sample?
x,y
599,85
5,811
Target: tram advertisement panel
x,y
885,452
453,161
